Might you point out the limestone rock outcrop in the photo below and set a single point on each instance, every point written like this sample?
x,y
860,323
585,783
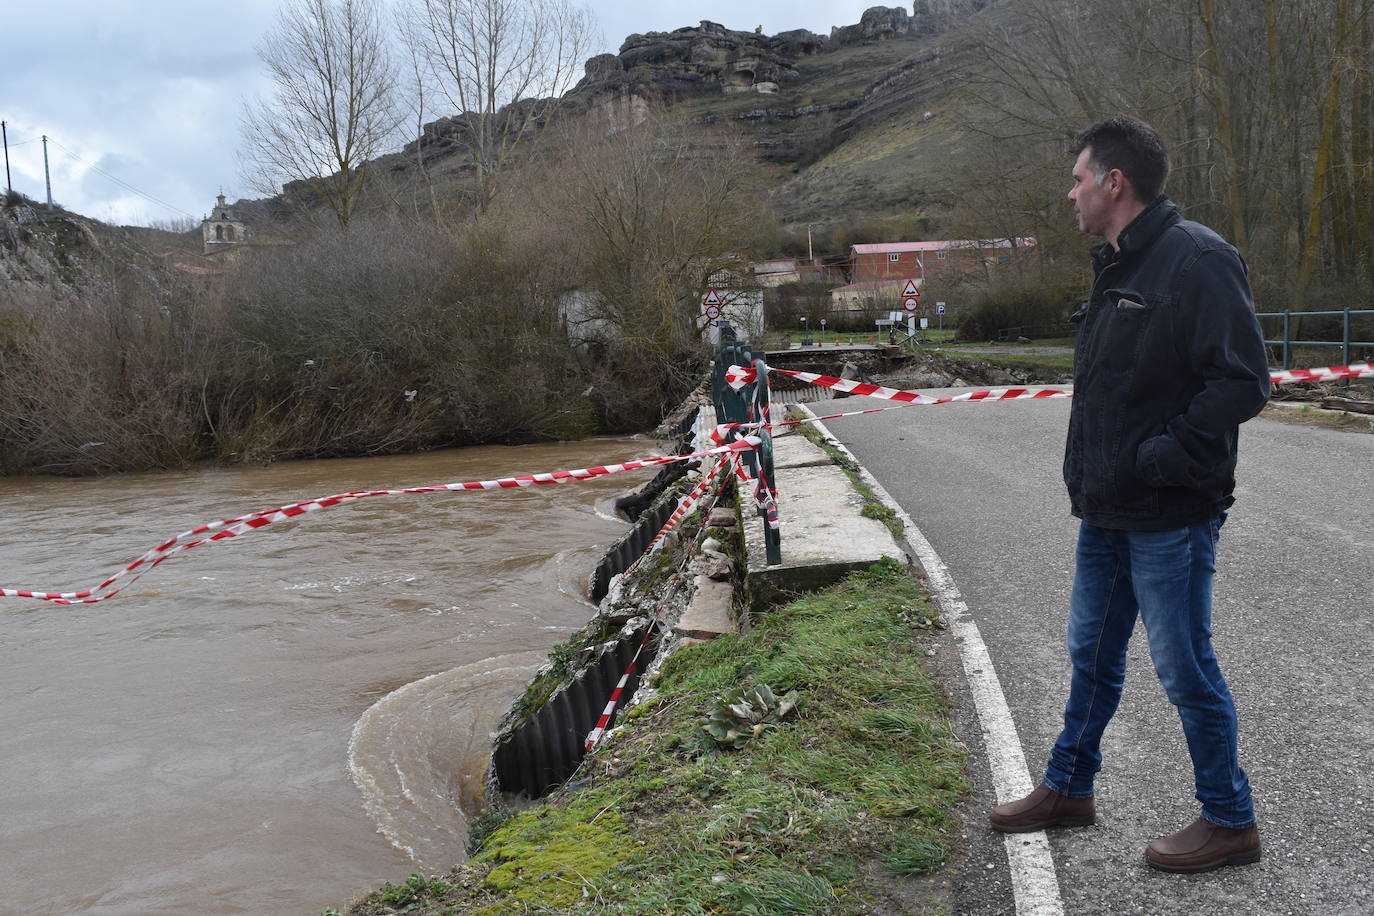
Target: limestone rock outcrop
x,y
792,122
708,57
876,23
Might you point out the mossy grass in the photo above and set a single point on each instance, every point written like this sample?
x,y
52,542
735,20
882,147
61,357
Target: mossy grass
x,y
840,809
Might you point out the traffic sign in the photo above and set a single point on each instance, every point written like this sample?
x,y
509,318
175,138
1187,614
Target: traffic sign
x,y
711,298
939,308
911,303
910,289
713,312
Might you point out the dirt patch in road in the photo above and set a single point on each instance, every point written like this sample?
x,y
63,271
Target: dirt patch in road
x,y
1310,415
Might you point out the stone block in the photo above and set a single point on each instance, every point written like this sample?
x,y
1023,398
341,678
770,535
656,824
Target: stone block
x,y
721,518
709,613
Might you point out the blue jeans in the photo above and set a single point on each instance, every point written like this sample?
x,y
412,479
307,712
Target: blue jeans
x,y
1165,578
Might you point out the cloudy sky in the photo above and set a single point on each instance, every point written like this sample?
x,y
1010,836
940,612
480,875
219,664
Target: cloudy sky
x,y
140,99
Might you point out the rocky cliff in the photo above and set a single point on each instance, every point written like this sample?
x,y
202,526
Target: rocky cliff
x,y
711,59
798,95
53,255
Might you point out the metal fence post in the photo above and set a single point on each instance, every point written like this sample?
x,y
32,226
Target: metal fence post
x,y
1345,343
772,537
1287,336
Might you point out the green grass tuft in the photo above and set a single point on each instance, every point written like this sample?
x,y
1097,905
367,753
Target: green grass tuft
x,y
914,855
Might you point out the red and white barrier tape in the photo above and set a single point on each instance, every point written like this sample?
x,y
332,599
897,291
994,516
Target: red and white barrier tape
x,y
739,376
1327,374
684,506
765,496
230,528
595,734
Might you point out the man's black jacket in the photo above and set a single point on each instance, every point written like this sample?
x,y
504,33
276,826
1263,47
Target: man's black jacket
x,y
1168,363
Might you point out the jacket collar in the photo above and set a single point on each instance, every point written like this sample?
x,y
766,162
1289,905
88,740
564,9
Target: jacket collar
x,y
1139,232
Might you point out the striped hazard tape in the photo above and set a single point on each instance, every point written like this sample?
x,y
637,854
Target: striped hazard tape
x,y
595,734
684,506
739,376
231,528
1327,374
764,495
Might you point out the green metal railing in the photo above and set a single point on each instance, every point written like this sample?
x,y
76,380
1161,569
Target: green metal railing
x,y
748,405
1287,343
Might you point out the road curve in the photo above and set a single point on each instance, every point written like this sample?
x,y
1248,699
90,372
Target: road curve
x,y
1292,628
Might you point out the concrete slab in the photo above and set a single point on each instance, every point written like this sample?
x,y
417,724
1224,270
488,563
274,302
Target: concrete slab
x,y
824,536
796,451
709,614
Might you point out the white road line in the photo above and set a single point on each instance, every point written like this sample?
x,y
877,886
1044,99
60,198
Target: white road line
x,y
1034,881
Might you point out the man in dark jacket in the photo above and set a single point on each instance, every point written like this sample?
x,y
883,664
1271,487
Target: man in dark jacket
x,y
1169,362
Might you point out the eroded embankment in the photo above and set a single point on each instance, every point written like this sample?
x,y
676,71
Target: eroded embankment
x,y
841,806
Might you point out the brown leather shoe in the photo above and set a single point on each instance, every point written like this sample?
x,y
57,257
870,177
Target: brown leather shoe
x,y
1043,808
1203,846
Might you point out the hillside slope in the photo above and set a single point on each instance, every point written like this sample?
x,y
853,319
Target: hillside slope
x,y
855,125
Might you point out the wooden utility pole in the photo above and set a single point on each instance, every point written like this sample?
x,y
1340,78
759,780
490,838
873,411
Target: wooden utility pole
x,y
47,178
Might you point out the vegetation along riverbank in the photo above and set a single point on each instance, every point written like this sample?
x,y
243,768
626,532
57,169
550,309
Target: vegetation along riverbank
x,y
842,804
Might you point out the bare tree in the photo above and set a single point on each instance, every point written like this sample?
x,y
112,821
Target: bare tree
x,y
331,108
642,217
1267,107
503,65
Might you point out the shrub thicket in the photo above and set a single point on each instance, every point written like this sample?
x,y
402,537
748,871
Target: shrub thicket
x,y
1013,309
397,334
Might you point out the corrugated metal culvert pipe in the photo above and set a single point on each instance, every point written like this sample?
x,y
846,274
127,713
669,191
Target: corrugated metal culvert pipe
x,y
545,751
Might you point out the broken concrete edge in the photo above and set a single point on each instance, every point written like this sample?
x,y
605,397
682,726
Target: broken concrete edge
x,y
701,608
768,586
633,602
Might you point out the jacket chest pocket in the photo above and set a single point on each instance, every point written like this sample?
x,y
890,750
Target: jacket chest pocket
x,y
1126,321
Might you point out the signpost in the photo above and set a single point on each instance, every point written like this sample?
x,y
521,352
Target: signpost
x,y
911,302
940,311
711,307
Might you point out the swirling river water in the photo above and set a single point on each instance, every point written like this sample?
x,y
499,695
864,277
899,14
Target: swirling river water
x,y
280,721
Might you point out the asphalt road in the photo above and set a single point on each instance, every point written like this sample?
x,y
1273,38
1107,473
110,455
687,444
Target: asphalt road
x,y
1292,629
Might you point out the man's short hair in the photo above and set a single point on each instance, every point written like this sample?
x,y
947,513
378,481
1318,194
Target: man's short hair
x,y
1129,145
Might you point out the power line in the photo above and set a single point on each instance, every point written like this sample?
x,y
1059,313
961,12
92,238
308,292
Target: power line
x,y
119,181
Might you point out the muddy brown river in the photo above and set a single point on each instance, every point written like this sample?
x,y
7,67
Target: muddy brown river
x,y
280,721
